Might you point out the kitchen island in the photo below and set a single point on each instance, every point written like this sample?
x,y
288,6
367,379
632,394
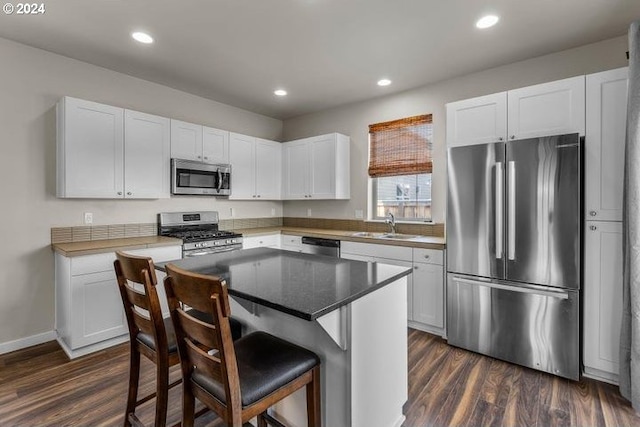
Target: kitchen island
x,y
353,314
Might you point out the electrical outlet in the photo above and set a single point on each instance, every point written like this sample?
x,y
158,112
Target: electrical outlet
x,y
359,214
231,212
88,218
308,212
273,211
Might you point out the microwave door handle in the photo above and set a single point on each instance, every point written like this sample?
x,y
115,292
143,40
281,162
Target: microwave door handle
x,y
219,180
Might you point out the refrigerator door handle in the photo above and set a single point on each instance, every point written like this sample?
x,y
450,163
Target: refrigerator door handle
x,y
499,208
511,246
522,289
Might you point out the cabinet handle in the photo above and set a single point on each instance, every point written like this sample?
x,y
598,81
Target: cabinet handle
x,y
199,157
119,193
206,158
258,196
593,228
513,137
593,213
128,193
254,196
427,256
500,139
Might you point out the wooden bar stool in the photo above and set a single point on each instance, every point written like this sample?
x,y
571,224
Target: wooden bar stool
x,y
149,334
237,380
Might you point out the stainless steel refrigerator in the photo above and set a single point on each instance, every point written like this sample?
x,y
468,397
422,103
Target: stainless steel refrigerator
x,y
514,251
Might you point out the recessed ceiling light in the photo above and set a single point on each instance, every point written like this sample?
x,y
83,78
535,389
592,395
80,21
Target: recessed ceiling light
x,y
384,82
280,92
487,21
142,37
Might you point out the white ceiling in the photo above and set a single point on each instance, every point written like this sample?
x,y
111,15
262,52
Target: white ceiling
x,y
324,52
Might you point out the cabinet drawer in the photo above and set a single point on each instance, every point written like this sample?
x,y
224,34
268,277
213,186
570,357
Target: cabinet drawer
x,y
288,240
92,263
429,256
160,254
373,250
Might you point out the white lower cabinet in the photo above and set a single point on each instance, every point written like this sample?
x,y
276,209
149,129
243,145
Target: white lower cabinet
x,y
428,291
291,243
89,313
264,241
602,299
425,292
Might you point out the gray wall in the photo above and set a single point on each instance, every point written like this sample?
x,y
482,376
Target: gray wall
x,y
354,119
31,81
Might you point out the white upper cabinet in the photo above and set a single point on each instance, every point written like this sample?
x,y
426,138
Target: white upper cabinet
x,y
186,140
478,120
605,143
215,145
199,143
547,109
109,152
255,168
268,169
317,168
90,144
146,156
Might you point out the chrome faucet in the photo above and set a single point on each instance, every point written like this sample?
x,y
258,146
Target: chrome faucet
x,y
391,220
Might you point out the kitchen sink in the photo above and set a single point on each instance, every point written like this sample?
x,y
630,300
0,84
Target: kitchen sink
x,y
364,234
397,236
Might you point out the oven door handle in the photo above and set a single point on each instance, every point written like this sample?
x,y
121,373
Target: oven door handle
x,y
210,252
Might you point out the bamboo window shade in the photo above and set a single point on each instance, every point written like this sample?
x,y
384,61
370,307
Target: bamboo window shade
x,y
401,147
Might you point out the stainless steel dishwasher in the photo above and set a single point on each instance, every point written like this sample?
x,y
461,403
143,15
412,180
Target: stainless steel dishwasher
x,y
315,245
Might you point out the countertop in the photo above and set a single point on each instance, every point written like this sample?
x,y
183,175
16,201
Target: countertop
x,y
426,242
112,245
302,285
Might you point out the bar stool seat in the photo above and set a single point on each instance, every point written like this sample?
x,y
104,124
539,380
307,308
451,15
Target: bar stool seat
x,y
265,363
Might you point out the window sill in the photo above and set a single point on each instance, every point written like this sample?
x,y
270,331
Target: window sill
x,y
401,221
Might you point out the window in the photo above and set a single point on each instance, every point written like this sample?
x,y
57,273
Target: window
x,y
400,168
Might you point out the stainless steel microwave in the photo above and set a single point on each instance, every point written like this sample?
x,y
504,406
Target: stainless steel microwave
x,y
201,179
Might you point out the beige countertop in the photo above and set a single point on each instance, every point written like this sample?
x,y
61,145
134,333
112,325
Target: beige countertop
x,y
112,245
426,242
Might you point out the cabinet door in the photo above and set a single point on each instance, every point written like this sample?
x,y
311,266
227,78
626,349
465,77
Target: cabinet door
x,y
322,151
604,144
186,140
96,305
268,169
296,170
243,166
266,241
215,146
428,294
90,152
479,120
602,295
547,109
146,156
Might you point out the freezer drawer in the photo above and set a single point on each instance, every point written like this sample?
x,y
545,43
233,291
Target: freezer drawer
x,y
533,326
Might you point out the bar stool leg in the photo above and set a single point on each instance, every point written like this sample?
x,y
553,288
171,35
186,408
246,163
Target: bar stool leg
x,y
162,391
134,378
261,421
314,416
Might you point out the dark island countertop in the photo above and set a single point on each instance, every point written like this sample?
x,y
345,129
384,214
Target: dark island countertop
x,y
303,285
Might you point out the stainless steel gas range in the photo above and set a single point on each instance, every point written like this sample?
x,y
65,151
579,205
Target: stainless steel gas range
x,y
199,232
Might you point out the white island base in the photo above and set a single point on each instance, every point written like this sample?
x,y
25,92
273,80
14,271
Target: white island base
x,y
363,349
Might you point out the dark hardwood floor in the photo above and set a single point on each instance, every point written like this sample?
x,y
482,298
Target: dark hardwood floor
x,y
39,386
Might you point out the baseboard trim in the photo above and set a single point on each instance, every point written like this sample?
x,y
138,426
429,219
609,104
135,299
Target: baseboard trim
x,y
82,351
604,376
19,344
